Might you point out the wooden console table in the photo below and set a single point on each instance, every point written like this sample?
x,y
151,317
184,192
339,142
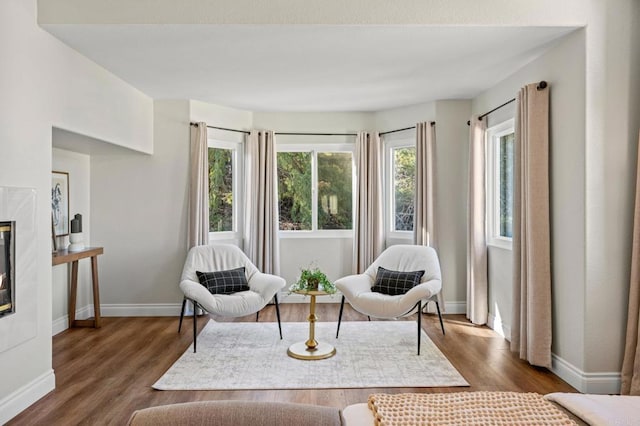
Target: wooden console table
x,y
64,256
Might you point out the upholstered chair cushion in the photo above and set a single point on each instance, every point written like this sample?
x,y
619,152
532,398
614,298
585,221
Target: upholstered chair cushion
x,y
394,283
357,289
223,257
224,282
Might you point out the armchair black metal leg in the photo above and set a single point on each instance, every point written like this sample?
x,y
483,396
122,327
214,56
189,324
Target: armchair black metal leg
x,y
340,316
257,315
440,316
195,325
419,313
369,317
184,303
278,315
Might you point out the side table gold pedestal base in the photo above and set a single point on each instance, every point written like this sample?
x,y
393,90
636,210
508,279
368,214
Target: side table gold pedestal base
x,y
311,349
300,351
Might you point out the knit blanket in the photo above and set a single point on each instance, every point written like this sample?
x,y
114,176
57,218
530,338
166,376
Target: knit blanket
x,y
465,408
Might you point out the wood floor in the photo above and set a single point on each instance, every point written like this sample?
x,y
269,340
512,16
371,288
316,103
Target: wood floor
x,y
103,375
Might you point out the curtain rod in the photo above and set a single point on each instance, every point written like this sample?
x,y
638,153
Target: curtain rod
x,y
315,134
246,132
542,85
433,123
224,128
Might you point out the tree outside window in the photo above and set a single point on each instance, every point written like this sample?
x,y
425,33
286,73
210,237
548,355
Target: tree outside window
x,y
327,176
404,187
335,206
506,185
220,190
499,201
294,190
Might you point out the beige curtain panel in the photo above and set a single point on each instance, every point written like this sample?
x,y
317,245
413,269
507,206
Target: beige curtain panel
x,y
424,229
477,275
199,187
423,232
531,319
631,362
368,227
261,243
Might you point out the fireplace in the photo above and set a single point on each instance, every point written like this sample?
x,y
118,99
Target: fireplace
x,y
7,291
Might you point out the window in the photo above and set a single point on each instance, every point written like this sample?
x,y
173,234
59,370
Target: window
x,y
294,190
225,174
500,144
401,186
315,188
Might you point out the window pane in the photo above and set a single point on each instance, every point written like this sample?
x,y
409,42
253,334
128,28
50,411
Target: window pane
x,y
334,190
220,190
506,185
404,174
294,190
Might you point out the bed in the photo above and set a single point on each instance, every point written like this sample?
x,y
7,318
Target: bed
x,y
498,408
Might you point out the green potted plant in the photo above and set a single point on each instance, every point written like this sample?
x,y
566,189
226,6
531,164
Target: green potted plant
x,y
313,279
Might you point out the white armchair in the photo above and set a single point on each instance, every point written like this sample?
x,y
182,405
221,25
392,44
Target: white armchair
x,y
357,289
224,257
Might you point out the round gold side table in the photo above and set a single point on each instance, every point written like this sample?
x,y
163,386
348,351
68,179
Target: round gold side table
x,y
311,349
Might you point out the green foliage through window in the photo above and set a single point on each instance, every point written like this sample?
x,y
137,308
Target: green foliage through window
x,y
506,185
404,184
220,190
334,190
294,190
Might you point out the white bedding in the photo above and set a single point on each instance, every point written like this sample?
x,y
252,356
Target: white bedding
x,y
598,410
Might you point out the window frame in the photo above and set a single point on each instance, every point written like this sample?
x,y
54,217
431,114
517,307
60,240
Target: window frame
x,y
237,167
314,149
492,137
389,187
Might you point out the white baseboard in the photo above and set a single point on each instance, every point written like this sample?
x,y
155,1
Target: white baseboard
x,y
450,307
141,310
173,309
61,324
496,324
299,298
455,307
121,310
598,383
16,402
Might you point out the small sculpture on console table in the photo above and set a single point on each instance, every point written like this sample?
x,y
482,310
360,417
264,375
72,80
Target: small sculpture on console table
x,y
75,237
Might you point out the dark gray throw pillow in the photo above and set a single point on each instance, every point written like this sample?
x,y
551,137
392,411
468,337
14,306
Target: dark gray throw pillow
x,y
394,283
224,282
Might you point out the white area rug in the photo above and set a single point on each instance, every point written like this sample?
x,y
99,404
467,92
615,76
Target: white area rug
x,y
233,356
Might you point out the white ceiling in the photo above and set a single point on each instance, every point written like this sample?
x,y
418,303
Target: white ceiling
x,y
309,68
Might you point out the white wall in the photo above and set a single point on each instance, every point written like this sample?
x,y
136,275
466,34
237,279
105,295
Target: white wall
x,y
139,216
79,169
612,123
356,12
452,153
332,255
403,117
45,83
221,116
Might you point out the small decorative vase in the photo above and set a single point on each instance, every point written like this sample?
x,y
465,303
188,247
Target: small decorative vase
x,y
312,284
76,240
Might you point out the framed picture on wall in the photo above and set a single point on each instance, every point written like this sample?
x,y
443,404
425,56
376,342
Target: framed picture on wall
x,y
60,202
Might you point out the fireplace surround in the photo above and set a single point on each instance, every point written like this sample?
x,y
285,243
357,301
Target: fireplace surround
x,y
7,304
18,226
